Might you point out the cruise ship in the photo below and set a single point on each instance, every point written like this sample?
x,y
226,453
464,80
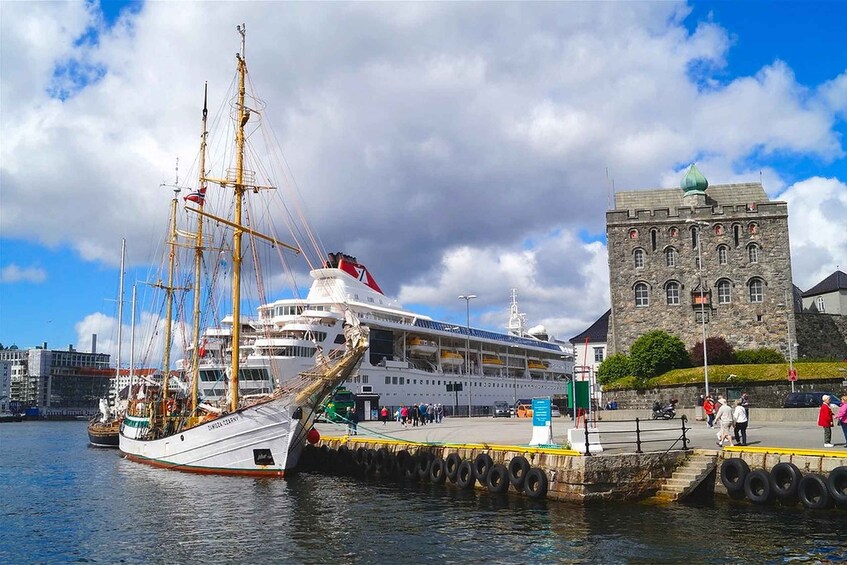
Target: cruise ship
x,y
411,358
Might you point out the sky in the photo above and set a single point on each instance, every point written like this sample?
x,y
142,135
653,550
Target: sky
x,y
454,148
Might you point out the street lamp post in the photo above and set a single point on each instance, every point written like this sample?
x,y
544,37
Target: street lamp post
x,y
702,298
467,298
788,329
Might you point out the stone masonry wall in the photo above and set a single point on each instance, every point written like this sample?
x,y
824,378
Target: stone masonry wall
x,y
744,324
821,336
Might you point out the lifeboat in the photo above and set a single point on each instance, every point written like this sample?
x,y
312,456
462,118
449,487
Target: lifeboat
x,y
420,346
451,358
492,362
536,365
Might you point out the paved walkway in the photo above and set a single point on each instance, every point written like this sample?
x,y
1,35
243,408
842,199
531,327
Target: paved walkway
x,y
616,437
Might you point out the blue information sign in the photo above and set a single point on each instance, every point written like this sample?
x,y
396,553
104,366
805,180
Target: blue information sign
x,y
540,411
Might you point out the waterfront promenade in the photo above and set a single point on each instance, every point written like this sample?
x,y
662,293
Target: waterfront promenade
x,y
518,431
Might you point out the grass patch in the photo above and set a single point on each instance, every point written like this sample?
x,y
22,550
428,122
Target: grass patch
x,y
736,374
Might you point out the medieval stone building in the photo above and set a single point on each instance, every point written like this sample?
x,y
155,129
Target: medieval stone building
x,y
713,258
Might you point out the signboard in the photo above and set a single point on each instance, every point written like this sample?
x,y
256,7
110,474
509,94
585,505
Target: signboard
x,y
580,395
792,374
454,387
542,425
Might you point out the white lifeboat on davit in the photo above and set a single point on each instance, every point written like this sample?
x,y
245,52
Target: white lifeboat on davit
x,y
451,358
420,346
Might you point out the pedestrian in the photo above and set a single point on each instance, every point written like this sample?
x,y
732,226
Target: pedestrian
x,y
416,415
351,428
404,414
842,417
740,417
383,415
422,409
709,410
825,420
745,402
724,419
439,413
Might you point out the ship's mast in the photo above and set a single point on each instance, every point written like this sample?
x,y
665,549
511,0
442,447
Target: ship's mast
x,y
120,321
198,260
169,293
243,116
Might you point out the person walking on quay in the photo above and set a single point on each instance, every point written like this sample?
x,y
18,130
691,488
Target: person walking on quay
x,y
404,415
724,419
415,415
740,417
709,410
383,415
745,402
352,420
825,420
842,417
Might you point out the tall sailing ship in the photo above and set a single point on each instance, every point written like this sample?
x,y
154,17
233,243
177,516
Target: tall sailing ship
x,y
170,425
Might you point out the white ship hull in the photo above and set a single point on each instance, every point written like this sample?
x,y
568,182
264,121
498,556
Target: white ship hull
x,y
262,440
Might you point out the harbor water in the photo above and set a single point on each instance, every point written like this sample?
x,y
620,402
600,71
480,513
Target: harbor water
x,y
63,501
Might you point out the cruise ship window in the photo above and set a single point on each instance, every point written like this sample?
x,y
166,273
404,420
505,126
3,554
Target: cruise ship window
x,y
394,380
402,380
388,380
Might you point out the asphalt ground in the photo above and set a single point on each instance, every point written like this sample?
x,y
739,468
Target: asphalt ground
x,y
615,436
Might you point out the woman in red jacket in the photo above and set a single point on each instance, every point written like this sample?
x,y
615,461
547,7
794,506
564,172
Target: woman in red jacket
x,y
825,421
709,409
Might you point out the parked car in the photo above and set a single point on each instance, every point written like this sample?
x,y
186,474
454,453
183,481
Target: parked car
x,y
809,399
554,412
501,409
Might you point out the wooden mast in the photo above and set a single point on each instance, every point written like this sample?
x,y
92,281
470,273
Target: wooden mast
x,y
120,325
169,293
243,116
198,260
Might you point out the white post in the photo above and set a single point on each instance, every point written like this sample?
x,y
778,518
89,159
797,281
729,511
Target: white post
x,y
467,298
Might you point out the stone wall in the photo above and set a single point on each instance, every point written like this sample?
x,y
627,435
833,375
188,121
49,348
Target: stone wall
x,y
744,324
762,394
821,336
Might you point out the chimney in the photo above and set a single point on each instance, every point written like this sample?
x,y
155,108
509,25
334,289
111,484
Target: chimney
x,y
93,343
44,346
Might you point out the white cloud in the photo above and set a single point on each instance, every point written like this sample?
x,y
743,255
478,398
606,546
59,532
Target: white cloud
x,y
14,274
426,136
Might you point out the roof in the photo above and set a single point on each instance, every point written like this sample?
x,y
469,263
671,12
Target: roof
x,y
596,332
834,282
719,194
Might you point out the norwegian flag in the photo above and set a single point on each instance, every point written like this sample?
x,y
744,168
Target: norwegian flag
x,y
198,196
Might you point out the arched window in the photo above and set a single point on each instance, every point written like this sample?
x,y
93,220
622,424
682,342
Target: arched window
x,y
654,236
736,234
753,253
672,293
642,295
719,229
724,292
756,288
819,302
633,234
695,239
753,227
674,231
670,257
723,251
638,256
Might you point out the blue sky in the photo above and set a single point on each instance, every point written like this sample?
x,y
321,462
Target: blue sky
x,y
450,138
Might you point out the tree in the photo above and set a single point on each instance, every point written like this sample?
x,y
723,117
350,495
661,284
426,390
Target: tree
x,y
763,355
657,352
614,367
718,352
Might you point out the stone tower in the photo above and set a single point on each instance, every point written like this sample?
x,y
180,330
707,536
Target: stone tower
x,y
700,257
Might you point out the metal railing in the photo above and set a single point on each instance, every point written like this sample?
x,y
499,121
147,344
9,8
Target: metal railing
x,y
644,435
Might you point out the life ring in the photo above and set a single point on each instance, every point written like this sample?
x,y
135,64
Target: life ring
x,y
786,480
452,466
837,483
733,473
438,471
814,493
424,463
518,468
498,479
536,484
481,465
465,477
758,486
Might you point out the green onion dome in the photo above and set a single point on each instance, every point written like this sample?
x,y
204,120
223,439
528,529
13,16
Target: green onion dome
x,y
694,182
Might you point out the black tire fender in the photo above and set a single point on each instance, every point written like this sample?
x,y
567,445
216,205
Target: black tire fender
x,y
481,466
733,473
361,457
837,484
438,471
786,481
498,479
452,466
388,465
518,468
536,484
465,477
813,492
424,463
758,486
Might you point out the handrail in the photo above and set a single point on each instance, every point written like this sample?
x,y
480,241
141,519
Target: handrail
x,y
638,435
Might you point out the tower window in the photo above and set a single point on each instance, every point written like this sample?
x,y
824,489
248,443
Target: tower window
x,y
642,295
753,253
757,290
724,292
633,234
654,234
736,234
821,304
638,256
670,257
672,293
722,254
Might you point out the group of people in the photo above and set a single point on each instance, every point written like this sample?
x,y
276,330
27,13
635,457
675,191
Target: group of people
x,y
732,420
417,414
827,417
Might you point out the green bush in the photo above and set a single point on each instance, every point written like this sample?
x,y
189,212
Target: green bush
x,y
614,367
761,356
657,352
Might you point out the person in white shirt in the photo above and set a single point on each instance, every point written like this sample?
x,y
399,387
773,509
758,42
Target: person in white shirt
x,y
741,421
724,419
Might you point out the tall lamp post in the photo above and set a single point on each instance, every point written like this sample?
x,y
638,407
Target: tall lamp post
x,y
702,297
467,298
788,304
